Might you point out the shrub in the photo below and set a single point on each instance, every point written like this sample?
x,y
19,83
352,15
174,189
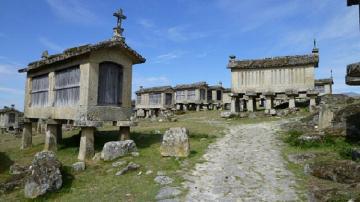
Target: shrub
x,y
292,138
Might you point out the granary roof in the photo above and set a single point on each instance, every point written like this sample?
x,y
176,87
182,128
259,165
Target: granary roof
x,y
275,62
324,81
227,90
84,49
192,85
9,109
353,2
216,87
154,89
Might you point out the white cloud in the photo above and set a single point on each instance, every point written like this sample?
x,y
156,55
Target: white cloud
x,y
73,11
342,25
49,44
148,82
7,69
167,57
146,23
11,90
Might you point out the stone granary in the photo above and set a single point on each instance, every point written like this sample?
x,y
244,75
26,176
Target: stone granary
x,y
353,74
226,98
191,96
214,96
10,119
282,78
153,101
86,85
324,86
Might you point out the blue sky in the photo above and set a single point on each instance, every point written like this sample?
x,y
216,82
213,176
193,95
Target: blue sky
x,y
183,40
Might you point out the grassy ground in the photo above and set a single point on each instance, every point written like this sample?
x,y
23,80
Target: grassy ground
x,y
99,182
331,148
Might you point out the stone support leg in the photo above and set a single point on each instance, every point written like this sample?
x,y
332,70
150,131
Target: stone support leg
x,y
26,140
250,104
291,102
86,149
197,108
233,105
51,137
269,103
312,103
124,133
185,107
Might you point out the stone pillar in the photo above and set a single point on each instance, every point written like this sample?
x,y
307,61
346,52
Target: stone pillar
x,y
257,103
241,104
233,105
3,130
51,137
312,102
86,149
291,102
312,95
59,133
198,108
250,104
185,107
124,133
26,140
269,102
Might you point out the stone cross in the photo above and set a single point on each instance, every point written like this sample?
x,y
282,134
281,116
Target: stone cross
x,y
120,16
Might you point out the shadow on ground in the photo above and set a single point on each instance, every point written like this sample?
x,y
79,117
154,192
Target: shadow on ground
x,y
5,162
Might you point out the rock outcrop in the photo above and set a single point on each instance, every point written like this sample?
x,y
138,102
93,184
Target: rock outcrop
x,y
175,143
345,171
45,175
115,149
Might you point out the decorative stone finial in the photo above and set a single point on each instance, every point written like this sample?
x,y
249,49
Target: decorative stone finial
x,y
232,57
315,50
118,30
45,55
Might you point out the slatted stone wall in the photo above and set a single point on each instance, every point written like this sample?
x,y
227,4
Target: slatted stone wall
x,y
155,98
168,98
67,87
40,91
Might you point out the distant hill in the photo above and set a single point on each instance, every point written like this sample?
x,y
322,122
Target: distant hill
x,y
351,94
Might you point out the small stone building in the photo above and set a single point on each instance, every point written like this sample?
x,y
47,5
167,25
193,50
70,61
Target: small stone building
x,y
191,96
324,86
153,101
226,98
286,78
214,96
86,85
10,119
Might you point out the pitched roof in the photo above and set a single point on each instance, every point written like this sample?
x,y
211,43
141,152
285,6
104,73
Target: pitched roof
x,y
9,109
216,87
353,2
81,50
192,85
324,81
284,61
154,89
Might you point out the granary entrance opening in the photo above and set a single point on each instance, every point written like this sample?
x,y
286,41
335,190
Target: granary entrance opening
x,y
209,95
218,95
168,99
110,84
39,90
12,118
67,86
202,94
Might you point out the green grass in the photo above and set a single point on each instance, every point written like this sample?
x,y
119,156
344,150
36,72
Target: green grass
x,y
330,148
98,181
